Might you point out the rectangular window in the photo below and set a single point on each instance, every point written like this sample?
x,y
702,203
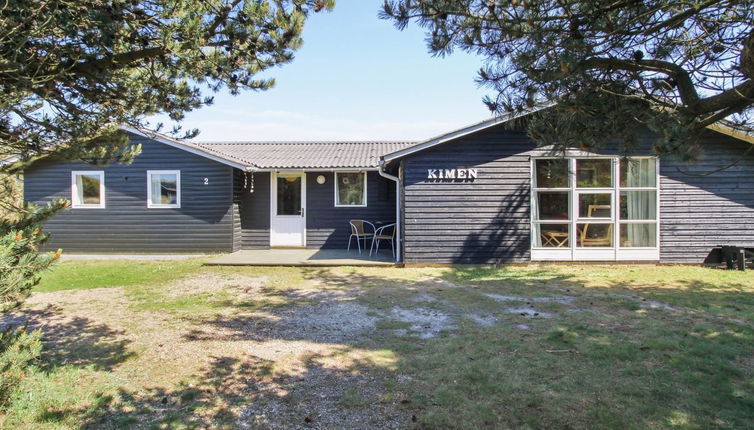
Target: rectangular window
x,y
594,173
163,188
583,204
594,235
638,235
551,235
552,205
552,173
595,205
350,189
289,195
88,189
638,172
638,205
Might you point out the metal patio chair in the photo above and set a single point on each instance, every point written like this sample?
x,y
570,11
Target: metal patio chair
x,y
380,234
359,232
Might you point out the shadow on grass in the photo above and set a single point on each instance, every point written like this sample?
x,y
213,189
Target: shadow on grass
x,y
233,393
76,341
622,366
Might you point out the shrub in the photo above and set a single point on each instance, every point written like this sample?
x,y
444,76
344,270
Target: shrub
x,y
18,348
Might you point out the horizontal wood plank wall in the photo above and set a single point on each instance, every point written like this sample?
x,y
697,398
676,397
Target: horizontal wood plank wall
x,y
254,209
327,226
202,224
485,220
700,212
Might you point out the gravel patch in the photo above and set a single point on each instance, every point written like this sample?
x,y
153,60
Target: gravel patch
x,y
425,323
592,311
643,302
483,320
324,399
337,322
209,283
564,300
529,312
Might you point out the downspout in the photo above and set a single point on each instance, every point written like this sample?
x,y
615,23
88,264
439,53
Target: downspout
x,y
397,181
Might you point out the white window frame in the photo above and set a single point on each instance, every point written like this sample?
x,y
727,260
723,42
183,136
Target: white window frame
x,y
177,203
335,189
75,203
575,253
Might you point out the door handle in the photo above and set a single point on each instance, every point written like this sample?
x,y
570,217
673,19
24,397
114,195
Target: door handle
x,y
302,211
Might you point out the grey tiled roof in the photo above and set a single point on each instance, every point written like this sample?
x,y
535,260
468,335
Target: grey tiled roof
x,y
304,155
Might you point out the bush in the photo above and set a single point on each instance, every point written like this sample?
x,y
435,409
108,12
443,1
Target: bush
x,y
21,263
18,348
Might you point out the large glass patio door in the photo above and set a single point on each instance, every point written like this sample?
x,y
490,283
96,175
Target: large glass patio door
x,y
594,208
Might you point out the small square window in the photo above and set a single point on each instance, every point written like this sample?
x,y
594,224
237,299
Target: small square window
x,y
552,173
163,188
350,189
638,172
88,189
594,173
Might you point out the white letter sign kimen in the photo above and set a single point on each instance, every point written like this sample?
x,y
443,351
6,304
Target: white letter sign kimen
x,y
451,173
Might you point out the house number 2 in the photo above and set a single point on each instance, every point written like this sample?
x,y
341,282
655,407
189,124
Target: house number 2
x,y
206,181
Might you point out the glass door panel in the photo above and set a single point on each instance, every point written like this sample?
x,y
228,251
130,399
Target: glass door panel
x,y
595,235
596,205
289,195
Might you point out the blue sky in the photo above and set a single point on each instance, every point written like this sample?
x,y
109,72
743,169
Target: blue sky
x,y
355,77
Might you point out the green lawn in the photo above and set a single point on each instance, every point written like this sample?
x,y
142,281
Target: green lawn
x,y
178,345
76,275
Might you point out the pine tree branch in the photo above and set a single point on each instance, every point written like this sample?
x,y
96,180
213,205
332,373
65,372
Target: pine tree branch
x,y
679,18
686,87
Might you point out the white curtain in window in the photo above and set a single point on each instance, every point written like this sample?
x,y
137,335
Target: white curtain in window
x,y
641,205
80,189
640,172
156,189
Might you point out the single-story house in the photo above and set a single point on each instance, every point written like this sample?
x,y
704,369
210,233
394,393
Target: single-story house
x,y
481,194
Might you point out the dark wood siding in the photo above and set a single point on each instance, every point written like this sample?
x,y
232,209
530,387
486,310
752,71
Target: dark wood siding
x,y
202,224
485,220
254,209
327,226
699,212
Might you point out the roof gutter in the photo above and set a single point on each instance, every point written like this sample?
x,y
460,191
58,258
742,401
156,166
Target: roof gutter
x,y
397,181
313,169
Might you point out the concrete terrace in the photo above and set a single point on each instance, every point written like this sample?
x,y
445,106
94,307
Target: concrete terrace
x,y
302,257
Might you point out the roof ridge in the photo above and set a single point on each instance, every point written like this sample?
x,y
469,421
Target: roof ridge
x,y
305,142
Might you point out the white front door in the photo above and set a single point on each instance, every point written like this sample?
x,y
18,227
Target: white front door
x,y
287,209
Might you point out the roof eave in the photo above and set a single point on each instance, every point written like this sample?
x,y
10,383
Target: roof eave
x,y
455,134
194,149
732,132
719,127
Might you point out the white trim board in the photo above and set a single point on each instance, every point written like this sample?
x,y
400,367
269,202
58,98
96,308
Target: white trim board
x,y
501,119
75,203
335,190
186,146
152,205
455,134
